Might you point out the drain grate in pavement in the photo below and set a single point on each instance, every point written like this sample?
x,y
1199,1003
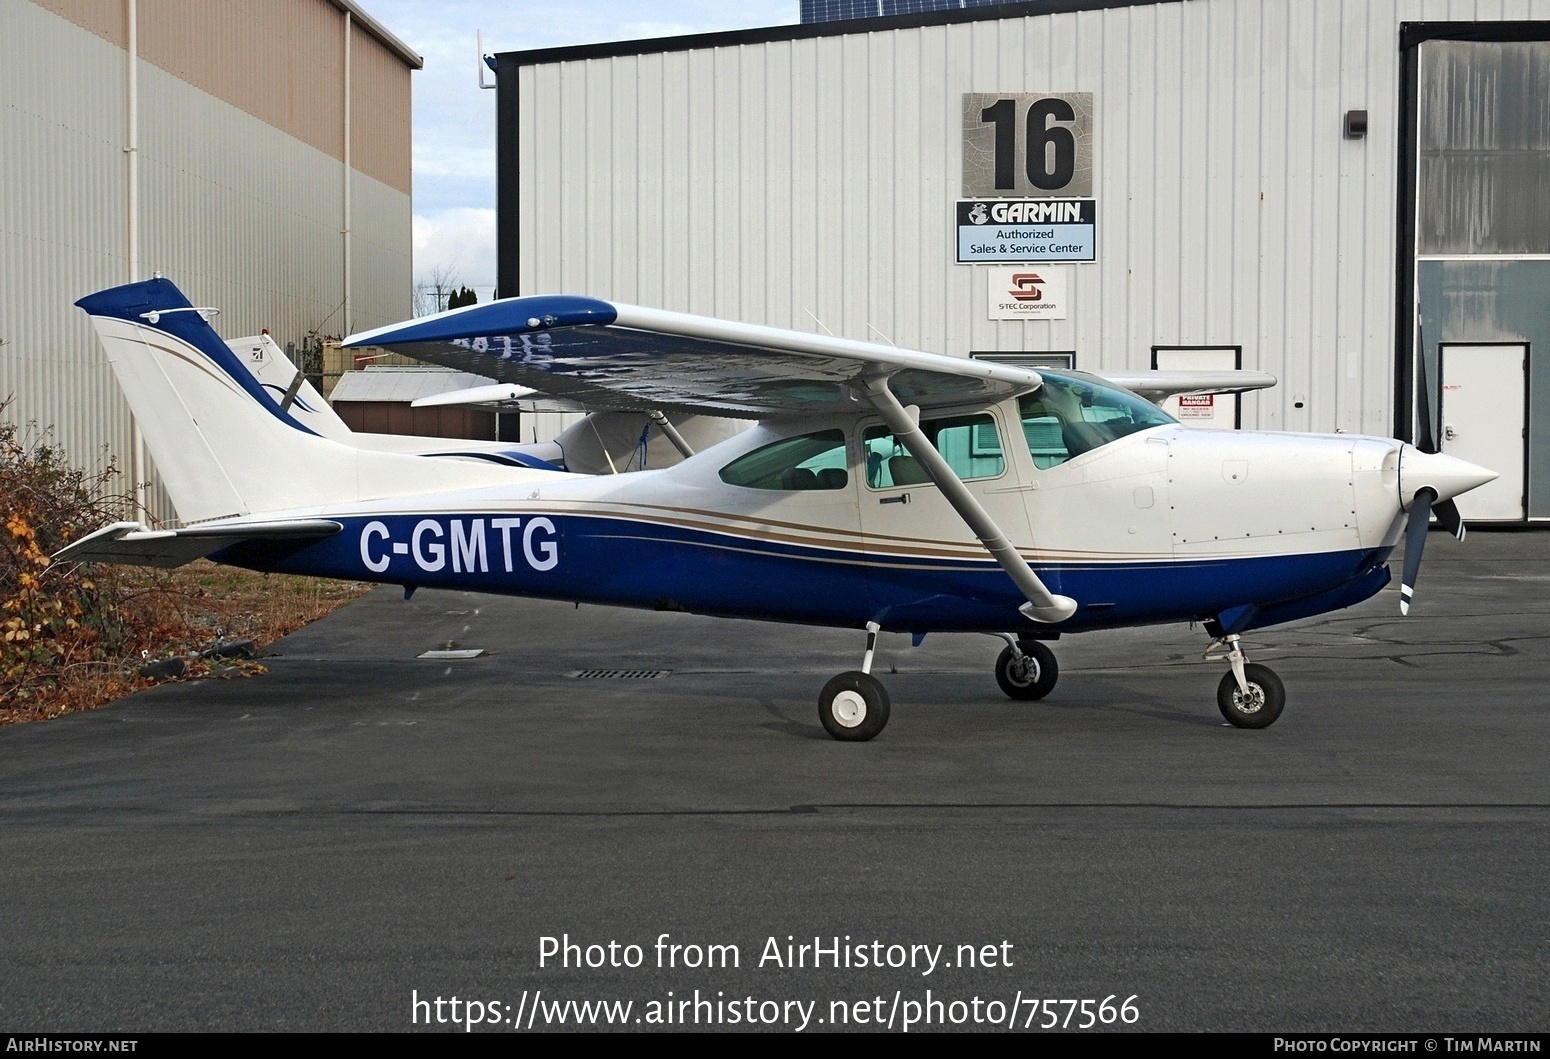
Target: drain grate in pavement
x,y
617,674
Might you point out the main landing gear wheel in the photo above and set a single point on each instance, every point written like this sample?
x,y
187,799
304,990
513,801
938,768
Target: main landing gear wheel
x,y
1260,707
1029,673
853,706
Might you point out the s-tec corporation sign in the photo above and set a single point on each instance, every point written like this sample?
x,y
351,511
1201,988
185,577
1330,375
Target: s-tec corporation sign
x,y
1008,230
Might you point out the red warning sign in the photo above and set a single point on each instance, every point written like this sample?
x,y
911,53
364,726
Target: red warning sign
x,y
1197,405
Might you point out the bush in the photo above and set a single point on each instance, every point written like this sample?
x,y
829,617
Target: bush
x,y
53,618
75,636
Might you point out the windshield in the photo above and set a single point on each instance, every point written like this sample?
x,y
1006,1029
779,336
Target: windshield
x,y
1073,414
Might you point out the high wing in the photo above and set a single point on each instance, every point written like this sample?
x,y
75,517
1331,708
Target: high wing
x,y
604,355
627,358
497,396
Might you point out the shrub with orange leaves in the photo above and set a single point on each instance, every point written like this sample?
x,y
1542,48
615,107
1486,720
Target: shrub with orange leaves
x,y
51,618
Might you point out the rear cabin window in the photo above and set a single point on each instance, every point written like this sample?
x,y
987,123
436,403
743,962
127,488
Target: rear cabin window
x,y
970,445
807,461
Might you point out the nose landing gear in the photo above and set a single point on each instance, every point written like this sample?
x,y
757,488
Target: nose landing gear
x,y
1251,696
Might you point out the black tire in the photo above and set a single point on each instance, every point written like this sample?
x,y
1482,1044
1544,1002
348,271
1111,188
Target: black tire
x,y
1266,699
1034,678
853,707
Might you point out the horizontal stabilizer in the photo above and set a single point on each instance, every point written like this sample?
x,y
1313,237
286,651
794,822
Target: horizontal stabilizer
x,y
132,544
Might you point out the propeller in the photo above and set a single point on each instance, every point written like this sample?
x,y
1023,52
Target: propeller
x,y
1442,477
1415,540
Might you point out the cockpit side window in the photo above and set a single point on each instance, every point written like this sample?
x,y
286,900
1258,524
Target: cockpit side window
x,y
971,446
1070,415
807,461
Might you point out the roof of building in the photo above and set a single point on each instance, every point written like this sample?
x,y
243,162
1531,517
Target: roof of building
x,y
400,385
802,31
381,32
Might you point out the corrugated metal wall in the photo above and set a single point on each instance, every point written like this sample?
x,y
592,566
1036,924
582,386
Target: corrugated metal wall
x,y
381,122
805,179
237,210
62,222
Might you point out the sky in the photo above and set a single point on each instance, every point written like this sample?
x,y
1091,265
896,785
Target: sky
x,y
454,120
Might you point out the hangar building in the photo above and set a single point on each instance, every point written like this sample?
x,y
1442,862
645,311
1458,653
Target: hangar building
x,y
1351,194
255,152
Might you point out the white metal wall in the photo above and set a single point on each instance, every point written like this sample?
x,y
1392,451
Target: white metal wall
x,y
238,213
62,219
813,179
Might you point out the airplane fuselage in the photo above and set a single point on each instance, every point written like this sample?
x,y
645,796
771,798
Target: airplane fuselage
x,y
1187,524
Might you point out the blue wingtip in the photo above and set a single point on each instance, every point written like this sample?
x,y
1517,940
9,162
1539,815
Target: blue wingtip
x,y
509,316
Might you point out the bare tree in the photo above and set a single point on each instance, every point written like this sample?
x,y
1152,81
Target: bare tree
x,y
432,292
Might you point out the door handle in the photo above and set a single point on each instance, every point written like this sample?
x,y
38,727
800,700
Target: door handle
x,y
1448,433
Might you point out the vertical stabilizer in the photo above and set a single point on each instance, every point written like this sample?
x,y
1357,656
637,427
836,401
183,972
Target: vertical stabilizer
x,y
278,374
222,442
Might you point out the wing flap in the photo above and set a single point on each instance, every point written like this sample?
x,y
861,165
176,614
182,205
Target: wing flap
x,y
131,544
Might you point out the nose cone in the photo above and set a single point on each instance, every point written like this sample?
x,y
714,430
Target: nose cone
x,y
1447,475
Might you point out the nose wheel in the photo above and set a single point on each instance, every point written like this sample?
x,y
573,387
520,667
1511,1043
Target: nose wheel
x,y
1250,695
1258,705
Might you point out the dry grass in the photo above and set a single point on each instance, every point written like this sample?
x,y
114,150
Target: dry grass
x,y
182,612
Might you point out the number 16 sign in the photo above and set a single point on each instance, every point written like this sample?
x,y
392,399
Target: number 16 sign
x,y
1027,146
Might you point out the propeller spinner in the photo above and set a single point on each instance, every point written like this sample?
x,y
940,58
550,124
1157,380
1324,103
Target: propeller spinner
x,y
1428,482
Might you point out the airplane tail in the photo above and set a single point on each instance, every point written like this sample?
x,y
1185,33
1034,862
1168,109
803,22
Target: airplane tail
x,y
224,444
266,361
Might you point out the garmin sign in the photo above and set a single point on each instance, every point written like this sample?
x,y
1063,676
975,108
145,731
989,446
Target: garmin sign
x,y
1010,230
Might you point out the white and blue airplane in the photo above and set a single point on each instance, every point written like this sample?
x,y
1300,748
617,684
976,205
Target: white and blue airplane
x,y
880,489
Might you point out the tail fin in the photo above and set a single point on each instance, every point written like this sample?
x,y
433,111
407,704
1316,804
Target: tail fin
x,y
262,357
223,444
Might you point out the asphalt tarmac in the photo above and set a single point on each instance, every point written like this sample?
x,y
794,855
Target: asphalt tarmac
x,y
341,842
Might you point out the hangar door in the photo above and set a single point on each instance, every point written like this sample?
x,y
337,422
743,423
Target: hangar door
x,y
1481,157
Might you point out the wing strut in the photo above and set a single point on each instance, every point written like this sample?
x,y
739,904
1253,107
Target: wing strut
x,y
1043,605
671,433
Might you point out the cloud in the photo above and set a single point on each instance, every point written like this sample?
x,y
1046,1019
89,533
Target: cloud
x,y
454,121
456,246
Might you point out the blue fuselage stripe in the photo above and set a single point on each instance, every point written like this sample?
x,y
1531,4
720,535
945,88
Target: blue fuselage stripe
x,y
627,562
